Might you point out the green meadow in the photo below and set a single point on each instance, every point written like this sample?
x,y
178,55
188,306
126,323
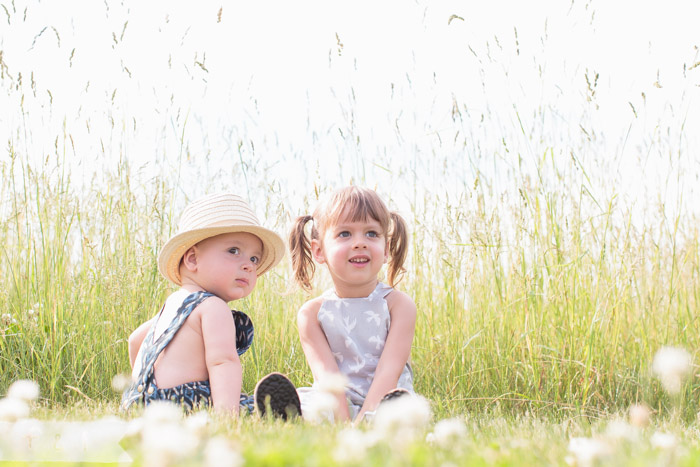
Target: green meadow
x,y
545,285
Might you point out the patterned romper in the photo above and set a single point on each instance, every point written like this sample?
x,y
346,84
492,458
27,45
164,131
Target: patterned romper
x,y
356,330
190,395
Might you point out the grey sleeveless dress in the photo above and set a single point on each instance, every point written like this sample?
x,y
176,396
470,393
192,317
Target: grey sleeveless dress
x,y
356,330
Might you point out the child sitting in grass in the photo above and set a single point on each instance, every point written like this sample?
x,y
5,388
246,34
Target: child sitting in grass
x,y
189,352
362,328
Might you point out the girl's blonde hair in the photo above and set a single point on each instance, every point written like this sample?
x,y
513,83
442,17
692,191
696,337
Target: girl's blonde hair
x,y
353,204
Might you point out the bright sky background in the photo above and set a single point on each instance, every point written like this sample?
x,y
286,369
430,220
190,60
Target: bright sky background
x,y
189,90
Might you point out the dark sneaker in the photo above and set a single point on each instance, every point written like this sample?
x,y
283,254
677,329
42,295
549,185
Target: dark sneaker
x,y
394,394
277,393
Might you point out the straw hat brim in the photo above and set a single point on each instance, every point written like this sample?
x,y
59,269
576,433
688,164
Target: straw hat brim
x,y
175,248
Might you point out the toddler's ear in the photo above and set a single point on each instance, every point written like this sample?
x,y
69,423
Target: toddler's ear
x,y
189,259
317,252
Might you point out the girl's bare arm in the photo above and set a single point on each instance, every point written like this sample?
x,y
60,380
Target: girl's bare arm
x,y
397,350
317,351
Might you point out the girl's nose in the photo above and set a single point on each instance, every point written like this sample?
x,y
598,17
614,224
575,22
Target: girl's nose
x,y
359,243
248,266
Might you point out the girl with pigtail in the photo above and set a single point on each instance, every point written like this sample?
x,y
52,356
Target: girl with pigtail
x,y
362,328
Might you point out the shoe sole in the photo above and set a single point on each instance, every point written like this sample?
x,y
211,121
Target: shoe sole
x,y
394,394
279,394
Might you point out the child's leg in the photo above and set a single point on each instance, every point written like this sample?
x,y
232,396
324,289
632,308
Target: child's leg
x,y
279,394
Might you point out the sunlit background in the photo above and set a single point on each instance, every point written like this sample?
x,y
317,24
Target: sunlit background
x,y
418,99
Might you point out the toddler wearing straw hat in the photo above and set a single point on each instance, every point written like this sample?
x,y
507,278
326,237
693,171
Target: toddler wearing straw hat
x,y
188,353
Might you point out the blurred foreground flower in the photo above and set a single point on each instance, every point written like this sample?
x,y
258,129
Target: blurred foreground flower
x,y
447,433
402,419
639,415
220,453
671,365
587,451
619,430
352,445
24,389
120,382
321,407
162,412
332,383
663,441
12,409
165,439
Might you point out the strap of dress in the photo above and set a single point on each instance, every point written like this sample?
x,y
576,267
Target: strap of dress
x,y
153,349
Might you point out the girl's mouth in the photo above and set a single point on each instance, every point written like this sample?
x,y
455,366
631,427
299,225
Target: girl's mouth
x,y
359,260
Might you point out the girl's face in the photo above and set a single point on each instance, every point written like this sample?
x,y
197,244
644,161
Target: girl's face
x,y
354,253
226,265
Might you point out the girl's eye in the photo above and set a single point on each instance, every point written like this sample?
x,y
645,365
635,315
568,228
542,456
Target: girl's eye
x,y
372,234
255,260
234,251
344,234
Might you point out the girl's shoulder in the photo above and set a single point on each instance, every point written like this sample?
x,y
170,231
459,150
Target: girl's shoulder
x,y
311,307
398,300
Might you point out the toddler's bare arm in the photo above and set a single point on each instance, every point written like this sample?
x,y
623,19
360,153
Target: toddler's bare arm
x,y
136,339
223,364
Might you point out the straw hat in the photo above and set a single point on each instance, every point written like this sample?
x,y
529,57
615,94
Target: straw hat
x,y
214,215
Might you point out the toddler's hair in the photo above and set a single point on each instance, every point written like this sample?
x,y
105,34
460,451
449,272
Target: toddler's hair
x,y
353,204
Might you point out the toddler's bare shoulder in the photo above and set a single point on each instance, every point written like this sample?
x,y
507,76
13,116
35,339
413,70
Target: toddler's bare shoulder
x,y
211,308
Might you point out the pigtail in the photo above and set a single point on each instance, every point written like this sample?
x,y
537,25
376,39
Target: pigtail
x,y
303,265
398,248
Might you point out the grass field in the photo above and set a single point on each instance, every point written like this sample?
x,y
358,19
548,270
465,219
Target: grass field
x,y
554,257
533,345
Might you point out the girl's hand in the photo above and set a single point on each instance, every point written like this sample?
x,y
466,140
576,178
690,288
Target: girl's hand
x,y
397,349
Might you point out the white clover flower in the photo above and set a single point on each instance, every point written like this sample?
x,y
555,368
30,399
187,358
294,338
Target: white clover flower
x,y
92,441
332,383
24,389
620,430
31,312
121,382
320,407
639,415
162,412
219,452
134,427
106,429
12,409
448,432
672,365
197,423
351,445
25,433
404,418
166,443
663,441
6,319
588,450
